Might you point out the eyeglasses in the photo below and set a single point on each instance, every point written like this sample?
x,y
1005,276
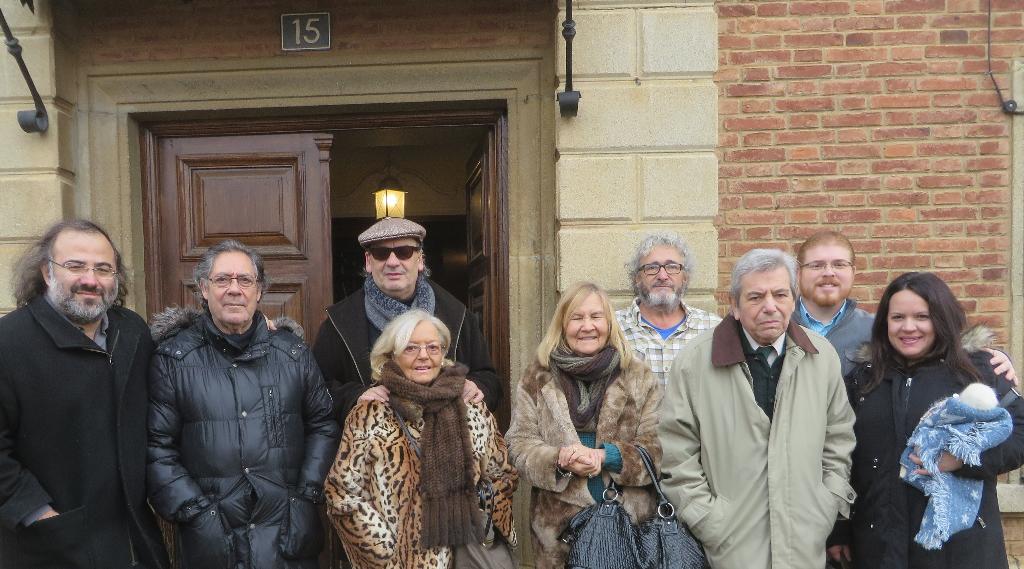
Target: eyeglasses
x,y
404,252
224,281
433,349
651,269
837,265
78,269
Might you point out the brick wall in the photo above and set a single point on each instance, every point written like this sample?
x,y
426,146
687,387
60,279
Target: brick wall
x,y
875,117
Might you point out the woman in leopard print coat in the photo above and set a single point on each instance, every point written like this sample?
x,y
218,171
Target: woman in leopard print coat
x,y
376,488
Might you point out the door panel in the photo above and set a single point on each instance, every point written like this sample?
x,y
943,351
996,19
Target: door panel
x,y
487,252
269,191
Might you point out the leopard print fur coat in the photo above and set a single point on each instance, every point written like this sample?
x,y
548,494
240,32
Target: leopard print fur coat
x,y
372,489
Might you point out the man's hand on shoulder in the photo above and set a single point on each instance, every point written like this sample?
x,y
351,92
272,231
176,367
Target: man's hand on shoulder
x,y
471,393
376,393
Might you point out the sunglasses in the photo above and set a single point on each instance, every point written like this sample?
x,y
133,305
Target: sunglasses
x,y
404,253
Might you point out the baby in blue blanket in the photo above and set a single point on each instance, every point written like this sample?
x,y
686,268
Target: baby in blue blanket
x,y
964,425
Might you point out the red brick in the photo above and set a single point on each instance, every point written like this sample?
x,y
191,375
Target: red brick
x,y
898,6
851,151
832,184
883,69
807,200
906,38
756,106
907,52
947,181
943,213
863,23
961,51
946,116
755,123
898,198
756,202
808,168
960,21
953,36
899,84
898,150
987,130
937,245
842,54
804,153
857,86
819,8
900,133
852,135
756,74
947,100
988,163
756,155
766,186
860,39
947,148
899,118
735,10
987,196
812,40
947,84
802,71
757,139
901,215
947,165
767,42
765,56
853,103
804,104
947,198
803,121
853,216
885,166
804,136
801,88
851,200
899,101
754,89
911,22
807,56
771,9
852,119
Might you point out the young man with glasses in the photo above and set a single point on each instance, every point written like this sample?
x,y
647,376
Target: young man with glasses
x,y
826,275
658,323
396,282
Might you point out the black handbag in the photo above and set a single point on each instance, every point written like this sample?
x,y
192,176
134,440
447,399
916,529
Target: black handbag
x,y
604,537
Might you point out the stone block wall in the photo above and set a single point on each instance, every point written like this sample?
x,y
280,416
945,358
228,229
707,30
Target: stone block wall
x,y
640,155
875,117
36,170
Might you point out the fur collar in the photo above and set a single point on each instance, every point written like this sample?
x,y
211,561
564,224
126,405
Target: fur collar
x,y
177,318
974,339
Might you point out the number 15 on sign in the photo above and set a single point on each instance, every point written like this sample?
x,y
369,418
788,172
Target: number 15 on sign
x,y
300,32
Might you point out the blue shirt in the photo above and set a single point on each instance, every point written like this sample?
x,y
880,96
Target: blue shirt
x,y
664,332
822,328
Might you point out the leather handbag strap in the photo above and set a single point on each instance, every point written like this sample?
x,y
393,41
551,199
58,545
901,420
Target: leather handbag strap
x,y
415,444
665,507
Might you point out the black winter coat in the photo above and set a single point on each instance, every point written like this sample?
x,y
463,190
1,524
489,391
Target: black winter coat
x,y
239,447
887,513
73,435
342,349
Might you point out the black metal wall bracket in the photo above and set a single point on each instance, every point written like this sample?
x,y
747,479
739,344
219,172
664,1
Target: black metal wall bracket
x,y
35,120
568,100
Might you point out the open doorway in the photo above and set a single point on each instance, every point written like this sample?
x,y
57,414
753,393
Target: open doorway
x,y
298,189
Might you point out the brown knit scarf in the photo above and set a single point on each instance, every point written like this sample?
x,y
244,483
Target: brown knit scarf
x,y
584,380
446,467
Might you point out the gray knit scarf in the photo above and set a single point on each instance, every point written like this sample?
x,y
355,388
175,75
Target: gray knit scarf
x,y
584,380
382,309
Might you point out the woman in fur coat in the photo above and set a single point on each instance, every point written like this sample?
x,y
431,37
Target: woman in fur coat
x,y
578,412
918,355
403,491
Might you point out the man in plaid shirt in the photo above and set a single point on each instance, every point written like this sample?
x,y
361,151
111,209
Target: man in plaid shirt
x,y
658,323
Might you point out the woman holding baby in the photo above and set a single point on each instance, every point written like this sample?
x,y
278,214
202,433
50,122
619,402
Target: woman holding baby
x,y
921,354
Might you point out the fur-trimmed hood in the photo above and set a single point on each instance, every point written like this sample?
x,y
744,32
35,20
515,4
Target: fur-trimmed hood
x,y
177,318
974,339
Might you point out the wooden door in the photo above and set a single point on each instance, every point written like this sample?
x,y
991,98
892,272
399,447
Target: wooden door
x,y
269,191
487,253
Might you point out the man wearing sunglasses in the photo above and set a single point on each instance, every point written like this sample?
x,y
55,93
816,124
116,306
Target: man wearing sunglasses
x,y
396,282
658,323
73,399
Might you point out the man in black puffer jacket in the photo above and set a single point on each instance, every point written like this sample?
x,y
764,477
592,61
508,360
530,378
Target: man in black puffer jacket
x,y
241,433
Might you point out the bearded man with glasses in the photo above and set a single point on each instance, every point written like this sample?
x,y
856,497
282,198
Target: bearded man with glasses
x,y
73,394
658,323
396,282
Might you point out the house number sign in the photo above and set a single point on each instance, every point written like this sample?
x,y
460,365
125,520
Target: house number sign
x,y
303,32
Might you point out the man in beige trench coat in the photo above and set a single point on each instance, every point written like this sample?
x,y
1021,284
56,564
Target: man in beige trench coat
x,y
757,430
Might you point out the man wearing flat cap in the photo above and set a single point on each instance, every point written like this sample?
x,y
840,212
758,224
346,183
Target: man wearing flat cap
x,y
396,282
